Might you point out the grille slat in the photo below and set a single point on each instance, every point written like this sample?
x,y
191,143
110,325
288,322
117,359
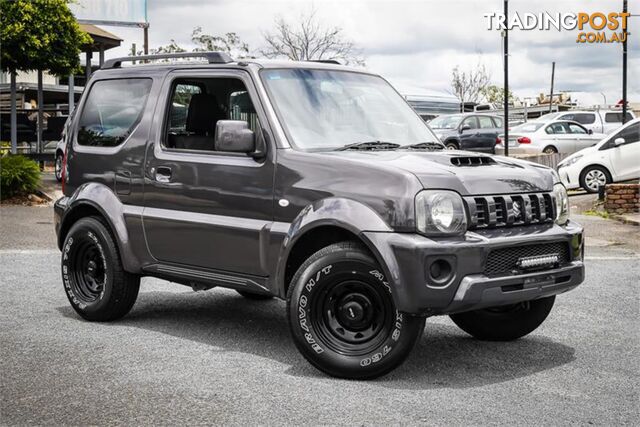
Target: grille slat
x,y
507,210
504,261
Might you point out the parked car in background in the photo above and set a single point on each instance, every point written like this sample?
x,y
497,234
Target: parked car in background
x,y
560,136
615,158
602,121
472,132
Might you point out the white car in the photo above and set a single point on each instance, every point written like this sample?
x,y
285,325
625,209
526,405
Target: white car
x,y
615,158
601,121
560,136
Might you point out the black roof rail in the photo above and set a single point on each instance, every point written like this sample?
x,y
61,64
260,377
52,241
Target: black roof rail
x,y
211,57
325,61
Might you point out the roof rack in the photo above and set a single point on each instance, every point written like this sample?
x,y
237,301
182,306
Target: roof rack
x,y
325,61
211,57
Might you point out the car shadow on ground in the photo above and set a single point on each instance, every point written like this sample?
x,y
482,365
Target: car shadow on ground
x,y
444,358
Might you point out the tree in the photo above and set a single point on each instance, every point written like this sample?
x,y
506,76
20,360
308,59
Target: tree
x,y
229,43
40,35
308,39
468,86
495,94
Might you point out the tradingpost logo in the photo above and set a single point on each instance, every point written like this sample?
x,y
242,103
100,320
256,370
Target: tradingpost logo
x,y
595,27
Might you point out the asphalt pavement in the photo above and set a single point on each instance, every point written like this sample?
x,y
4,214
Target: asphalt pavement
x,y
184,357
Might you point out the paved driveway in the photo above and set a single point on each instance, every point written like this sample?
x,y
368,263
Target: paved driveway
x,y
183,357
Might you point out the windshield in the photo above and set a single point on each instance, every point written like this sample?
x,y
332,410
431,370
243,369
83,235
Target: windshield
x,y
527,127
327,109
445,122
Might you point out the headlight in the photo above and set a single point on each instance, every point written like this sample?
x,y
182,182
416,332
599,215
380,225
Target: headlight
x,y
440,212
570,161
562,203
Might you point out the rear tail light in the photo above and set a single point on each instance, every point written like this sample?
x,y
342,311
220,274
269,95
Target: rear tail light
x,y
524,140
498,140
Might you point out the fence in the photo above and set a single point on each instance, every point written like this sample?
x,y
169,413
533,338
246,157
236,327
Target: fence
x,y
550,160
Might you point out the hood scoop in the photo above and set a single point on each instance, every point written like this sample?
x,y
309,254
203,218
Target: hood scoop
x,y
472,161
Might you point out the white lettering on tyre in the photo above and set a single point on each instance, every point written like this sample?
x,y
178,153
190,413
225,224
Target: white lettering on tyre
x,y
302,305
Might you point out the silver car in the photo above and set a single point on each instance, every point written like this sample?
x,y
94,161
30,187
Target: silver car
x,y
560,136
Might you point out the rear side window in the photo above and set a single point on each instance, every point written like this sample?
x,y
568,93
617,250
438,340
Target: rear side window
x,y
497,121
583,118
113,108
616,117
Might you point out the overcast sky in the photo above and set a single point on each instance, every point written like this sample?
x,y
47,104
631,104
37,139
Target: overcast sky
x,y
415,44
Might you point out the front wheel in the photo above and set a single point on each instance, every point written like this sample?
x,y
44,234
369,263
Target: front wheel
x,y
505,323
451,146
593,178
343,318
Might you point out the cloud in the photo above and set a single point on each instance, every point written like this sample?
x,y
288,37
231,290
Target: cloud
x,y
419,42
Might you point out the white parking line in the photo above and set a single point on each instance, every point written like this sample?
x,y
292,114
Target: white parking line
x,y
613,258
28,251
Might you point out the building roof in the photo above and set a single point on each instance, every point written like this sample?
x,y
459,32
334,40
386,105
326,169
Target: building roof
x,y
100,38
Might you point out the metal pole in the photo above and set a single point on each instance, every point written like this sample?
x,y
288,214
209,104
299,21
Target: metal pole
x,y
14,115
506,79
146,39
87,66
40,124
624,67
101,55
553,72
71,93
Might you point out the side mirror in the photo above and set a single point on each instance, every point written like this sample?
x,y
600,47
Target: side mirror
x,y
590,131
464,127
618,141
234,136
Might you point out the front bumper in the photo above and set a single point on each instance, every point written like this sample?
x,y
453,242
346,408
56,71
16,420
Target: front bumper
x,y
408,259
570,177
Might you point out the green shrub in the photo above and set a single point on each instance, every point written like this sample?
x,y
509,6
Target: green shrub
x,y
18,175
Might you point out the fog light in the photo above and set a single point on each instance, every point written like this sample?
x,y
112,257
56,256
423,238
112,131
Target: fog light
x,y
440,271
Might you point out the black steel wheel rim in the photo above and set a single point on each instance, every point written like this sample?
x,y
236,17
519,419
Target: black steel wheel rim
x,y
352,316
88,266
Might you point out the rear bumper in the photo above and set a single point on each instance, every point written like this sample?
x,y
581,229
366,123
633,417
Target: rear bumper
x,y
408,259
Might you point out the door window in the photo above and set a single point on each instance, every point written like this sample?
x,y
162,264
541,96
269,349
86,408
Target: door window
x,y
485,122
471,122
582,118
497,121
196,106
112,110
616,117
630,134
574,128
556,129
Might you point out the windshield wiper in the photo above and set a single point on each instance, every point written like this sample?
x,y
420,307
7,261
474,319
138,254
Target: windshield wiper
x,y
370,145
425,146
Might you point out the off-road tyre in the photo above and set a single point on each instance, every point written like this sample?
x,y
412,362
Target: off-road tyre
x,y
253,296
94,280
342,315
505,323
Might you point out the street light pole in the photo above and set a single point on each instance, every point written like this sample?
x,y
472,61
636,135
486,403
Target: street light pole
x,y
506,78
624,66
553,72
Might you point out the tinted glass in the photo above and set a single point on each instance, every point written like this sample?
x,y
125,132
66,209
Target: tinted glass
x,y
181,98
616,117
485,122
556,128
471,122
111,111
630,134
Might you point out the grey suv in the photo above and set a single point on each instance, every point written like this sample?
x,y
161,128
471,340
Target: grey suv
x,y
310,182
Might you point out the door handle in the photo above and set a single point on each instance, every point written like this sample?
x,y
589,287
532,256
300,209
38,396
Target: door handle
x,y
163,174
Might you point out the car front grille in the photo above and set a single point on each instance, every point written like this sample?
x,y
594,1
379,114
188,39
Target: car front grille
x,y
508,210
505,261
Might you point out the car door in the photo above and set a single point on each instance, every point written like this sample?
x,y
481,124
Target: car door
x,y
206,208
557,136
487,134
469,136
582,138
625,158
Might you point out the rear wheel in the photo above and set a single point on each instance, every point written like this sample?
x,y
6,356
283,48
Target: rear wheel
x,y
343,318
451,145
550,150
58,166
94,280
505,323
594,177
